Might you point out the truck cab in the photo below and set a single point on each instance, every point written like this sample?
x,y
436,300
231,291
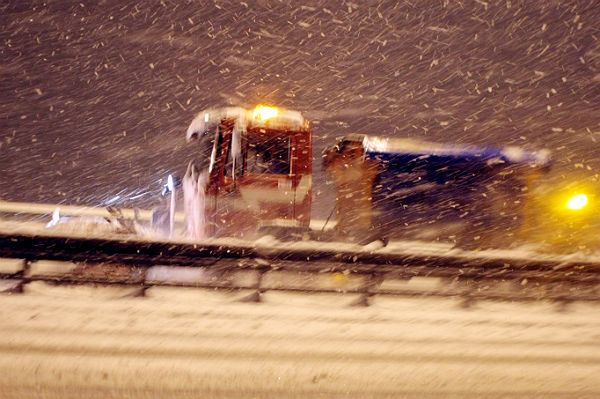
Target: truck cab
x,y
252,170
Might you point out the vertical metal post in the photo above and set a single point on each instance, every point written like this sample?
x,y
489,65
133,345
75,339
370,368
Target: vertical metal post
x,y
171,186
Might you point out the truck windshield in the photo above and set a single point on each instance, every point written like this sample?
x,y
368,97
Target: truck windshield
x,y
266,153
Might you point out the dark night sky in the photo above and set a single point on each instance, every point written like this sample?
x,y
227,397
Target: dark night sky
x,y
96,96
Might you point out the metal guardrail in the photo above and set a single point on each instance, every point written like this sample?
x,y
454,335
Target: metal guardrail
x,y
148,253
260,269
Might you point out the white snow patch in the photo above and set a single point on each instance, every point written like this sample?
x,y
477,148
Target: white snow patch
x,y
50,267
97,292
192,296
11,266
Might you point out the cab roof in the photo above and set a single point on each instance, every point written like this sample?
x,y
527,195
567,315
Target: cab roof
x,y
276,118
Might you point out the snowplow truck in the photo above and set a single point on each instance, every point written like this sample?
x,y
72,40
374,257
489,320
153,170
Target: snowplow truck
x,y
253,174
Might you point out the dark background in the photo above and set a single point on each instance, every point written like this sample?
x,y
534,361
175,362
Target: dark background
x,y
96,96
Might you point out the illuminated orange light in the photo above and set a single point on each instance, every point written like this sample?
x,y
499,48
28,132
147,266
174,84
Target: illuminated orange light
x,y
577,202
265,113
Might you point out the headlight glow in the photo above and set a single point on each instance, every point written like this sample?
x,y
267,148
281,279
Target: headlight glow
x,y
577,202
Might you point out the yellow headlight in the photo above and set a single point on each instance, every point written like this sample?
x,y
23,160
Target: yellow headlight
x,y
264,113
577,202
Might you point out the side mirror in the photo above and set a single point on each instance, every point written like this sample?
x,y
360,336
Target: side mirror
x,y
173,182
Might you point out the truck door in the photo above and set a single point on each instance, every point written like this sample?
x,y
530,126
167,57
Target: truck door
x,y
201,181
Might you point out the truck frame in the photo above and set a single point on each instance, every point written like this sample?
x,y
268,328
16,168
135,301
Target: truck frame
x,y
254,169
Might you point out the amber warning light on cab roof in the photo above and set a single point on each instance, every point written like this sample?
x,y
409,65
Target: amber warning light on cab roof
x,y
264,113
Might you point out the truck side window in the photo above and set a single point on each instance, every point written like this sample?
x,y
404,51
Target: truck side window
x,y
216,149
268,154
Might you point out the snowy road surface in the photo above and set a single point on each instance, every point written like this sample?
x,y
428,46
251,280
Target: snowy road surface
x,y
79,342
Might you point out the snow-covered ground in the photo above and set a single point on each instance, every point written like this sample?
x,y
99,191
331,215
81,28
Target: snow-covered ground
x,y
102,342
73,342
